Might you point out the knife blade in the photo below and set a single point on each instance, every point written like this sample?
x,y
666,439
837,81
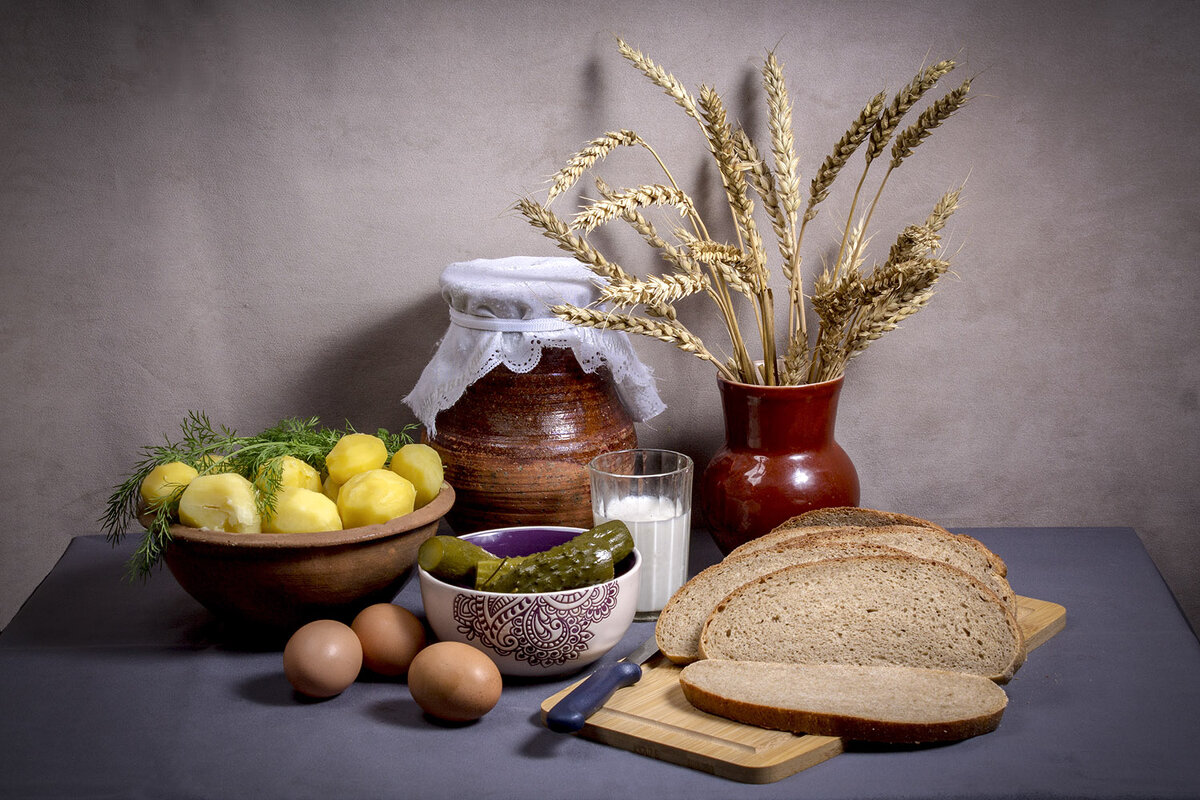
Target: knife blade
x,y
570,713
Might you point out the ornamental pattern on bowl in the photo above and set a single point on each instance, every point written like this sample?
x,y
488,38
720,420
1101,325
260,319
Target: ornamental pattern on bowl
x,y
541,631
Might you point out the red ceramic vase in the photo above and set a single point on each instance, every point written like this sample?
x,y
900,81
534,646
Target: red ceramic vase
x,y
779,460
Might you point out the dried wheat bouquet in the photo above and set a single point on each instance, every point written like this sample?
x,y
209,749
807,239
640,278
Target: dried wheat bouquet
x,y
853,307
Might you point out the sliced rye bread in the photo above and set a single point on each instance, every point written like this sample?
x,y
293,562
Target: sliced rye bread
x,y
868,610
896,705
681,620
858,517
955,549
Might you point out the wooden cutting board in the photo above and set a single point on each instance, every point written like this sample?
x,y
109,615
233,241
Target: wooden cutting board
x,y
652,718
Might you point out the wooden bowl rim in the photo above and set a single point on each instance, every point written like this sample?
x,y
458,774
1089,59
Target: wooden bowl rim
x,y
429,513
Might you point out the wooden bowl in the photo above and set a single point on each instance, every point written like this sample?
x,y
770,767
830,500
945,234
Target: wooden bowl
x,y
282,580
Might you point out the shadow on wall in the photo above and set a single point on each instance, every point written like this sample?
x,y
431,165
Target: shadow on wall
x,y
363,377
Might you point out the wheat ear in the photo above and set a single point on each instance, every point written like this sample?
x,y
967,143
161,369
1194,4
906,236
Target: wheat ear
x,y
905,99
653,291
661,78
783,145
671,331
620,202
854,136
585,159
929,119
559,232
673,255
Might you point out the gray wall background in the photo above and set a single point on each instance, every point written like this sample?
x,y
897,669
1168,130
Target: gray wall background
x,y
243,207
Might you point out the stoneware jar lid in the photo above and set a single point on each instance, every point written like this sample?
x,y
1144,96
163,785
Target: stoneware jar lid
x,y
499,313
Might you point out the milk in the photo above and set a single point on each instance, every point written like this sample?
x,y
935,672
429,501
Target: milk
x,y
661,531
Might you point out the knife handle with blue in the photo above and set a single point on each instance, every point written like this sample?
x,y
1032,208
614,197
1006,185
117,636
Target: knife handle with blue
x,y
569,714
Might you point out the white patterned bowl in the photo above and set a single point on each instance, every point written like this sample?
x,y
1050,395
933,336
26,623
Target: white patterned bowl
x,y
541,634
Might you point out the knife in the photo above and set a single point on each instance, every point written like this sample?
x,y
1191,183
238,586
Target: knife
x,y
569,714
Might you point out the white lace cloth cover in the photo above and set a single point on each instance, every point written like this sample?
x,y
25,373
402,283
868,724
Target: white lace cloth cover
x,y
500,314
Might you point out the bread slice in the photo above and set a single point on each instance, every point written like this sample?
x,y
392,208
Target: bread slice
x,y
957,550
681,620
889,704
854,516
869,610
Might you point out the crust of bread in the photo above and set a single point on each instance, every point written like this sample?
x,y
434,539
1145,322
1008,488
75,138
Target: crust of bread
x,y
859,517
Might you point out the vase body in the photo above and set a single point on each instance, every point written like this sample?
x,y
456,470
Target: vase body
x,y
516,445
779,459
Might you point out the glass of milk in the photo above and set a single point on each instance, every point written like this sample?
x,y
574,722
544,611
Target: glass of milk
x,y
651,492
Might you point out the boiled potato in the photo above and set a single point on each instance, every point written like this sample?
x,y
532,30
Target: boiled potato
x,y
330,488
420,464
164,480
355,453
300,510
292,472
375,496
222,502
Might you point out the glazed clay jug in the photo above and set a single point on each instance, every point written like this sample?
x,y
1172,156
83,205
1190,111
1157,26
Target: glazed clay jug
x,y
518,401
779,459
516,445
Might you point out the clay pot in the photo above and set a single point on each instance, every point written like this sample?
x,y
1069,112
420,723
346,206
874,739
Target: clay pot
x,y
282,580
779,459
516,445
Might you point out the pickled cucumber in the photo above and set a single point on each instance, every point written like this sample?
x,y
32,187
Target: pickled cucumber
x,y
585,560
612,536
451,559
548,572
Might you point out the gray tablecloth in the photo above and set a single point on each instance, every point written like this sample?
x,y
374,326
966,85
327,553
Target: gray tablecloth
x,y
115,690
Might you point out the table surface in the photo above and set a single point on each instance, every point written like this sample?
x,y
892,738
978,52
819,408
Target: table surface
x,y
111,689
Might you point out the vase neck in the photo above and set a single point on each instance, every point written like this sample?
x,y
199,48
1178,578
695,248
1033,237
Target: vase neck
x,y
779,417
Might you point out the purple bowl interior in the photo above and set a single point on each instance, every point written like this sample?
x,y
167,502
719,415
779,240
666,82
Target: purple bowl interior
x,y
520,541
526,541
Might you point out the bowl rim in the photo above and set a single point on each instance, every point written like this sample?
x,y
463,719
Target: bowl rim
x,y
424,575
431,512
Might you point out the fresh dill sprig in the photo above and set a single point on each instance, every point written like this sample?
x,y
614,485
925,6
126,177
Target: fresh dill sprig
x,y
210,449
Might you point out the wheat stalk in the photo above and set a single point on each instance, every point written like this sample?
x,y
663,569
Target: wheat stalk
x,y
845,147
654,290
585,159
783,145
929,119
670,331
620,202
673,255
852,309
912,287
660,77
905,99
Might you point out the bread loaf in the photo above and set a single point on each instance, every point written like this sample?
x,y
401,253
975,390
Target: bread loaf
x,y
680,622
869,703
957,550
870,610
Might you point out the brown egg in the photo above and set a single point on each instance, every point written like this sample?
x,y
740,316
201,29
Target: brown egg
x,y
454,681
390,635
322,658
